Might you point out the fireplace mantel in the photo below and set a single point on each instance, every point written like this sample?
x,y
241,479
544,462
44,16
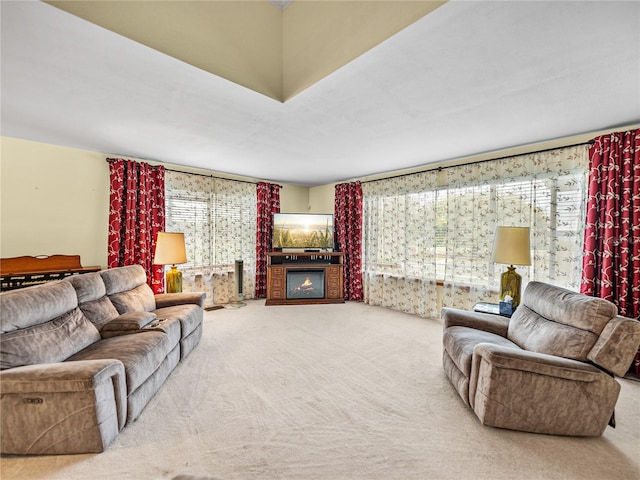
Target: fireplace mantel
x,y
279,265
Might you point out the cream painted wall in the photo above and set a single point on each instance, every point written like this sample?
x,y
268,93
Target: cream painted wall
x,y
321,199
294,199
54,200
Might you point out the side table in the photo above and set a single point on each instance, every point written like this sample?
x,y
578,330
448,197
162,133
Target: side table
x,y
492,308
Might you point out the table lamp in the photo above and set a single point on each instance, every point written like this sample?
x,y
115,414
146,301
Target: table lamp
x,y
511,247
170,250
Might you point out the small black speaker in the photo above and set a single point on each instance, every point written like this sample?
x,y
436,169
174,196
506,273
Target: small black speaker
x,y
239,281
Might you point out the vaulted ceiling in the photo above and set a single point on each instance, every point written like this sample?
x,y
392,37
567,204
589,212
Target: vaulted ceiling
x,y
313,92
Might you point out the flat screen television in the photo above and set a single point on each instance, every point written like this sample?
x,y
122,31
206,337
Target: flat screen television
x,y
309,231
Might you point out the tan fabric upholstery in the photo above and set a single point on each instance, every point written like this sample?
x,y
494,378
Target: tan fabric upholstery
x,y
83,356
556,321
70,407
549,369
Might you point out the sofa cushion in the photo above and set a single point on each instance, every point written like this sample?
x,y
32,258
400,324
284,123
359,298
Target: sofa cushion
x,y
127,289
89,286
121,279
140,299
567,307
141,353
131,321
49,342
99,312
559,322
460,342
31,306
92,298
190,317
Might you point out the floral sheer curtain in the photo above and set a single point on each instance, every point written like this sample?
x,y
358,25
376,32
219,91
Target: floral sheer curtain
x,y
348,222
217,217
400,249
434,228
268,203
544,191
136,215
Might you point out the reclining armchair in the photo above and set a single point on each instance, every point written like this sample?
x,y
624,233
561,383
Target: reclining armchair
x,y
548,369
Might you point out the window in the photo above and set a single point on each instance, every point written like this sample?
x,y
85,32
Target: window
x,y
440,225
218,218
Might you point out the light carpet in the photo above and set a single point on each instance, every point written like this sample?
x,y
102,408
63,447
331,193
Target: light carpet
x,y
326,392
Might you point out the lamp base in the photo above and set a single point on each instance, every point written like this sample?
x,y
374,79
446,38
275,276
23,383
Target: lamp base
x,y
510,282
174,280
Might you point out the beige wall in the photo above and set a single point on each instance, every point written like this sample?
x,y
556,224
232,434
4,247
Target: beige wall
x,y
294,199
321,199
55,200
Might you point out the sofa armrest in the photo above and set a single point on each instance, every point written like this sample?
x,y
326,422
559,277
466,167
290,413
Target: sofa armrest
x,y
453,317
130,322
171,299
59,408
617,345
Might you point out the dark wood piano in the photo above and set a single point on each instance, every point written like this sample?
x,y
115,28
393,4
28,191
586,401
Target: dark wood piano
x,y
20,272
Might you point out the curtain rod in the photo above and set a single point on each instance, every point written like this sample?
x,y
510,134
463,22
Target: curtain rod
x,y
216,177
109,160
439,169
211,176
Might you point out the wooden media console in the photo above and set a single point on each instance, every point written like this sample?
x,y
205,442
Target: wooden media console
x,y
304,278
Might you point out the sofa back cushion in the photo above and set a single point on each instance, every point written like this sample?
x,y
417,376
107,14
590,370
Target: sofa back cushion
x,y
31,306
128,290
92,298
559,322
42,324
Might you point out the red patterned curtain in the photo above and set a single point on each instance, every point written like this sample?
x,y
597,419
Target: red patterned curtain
x,y
268,195
136,215
611,262
348,225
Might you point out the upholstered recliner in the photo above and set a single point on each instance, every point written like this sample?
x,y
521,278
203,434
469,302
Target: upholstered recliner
x,y
549,369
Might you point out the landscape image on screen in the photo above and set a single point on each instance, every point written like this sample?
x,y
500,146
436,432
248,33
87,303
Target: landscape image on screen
x,y
295,230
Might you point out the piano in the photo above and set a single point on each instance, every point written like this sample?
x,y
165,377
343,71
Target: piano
x,y
20,272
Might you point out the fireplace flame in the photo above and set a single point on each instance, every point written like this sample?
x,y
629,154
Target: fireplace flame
x,y
305,286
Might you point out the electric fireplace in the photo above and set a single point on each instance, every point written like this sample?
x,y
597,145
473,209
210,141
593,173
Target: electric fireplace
x,y
304,278
305,283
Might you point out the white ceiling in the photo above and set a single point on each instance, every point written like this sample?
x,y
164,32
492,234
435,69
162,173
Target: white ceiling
x,y
471,77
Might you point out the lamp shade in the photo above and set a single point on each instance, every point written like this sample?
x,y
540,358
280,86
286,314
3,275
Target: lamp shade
x,y
511,246
170,249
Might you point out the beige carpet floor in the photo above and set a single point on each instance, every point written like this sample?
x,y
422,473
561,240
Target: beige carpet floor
x,y
331,392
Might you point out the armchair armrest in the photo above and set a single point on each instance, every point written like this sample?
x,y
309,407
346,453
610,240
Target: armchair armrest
x,y
171,299
538,363
617,345
534,392
453,317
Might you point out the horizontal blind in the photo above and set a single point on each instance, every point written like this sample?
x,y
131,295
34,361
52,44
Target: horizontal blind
x,y
217,216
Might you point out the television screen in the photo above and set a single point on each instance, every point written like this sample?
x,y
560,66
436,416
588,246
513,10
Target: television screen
x,y
303,230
